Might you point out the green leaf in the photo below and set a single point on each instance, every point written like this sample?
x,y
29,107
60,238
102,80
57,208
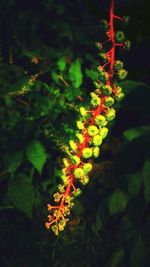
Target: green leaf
x,y
8,101
21,194
61,64
98,223
75,73
117,258
134,133
13,161
130,85
146,177
92,74
55,77
128,230
36,155
131,134
138,253
78,208
117,202
135,181
135,99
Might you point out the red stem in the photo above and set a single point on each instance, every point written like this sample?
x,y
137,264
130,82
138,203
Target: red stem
x,y
100,109
112,54
117,17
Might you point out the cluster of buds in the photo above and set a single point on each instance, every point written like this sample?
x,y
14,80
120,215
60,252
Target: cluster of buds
x,y
27,87
92,129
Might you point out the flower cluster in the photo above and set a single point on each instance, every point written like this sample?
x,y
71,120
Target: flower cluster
x,y
92,129
27,87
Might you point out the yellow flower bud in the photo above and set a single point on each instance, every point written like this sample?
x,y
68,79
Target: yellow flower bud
x,y
96,152
84,180
61,188
55,229
97,140
61,225
87,167
77,192
78,173
100,120
80,125
103,132
80,138
110,115
82,111
57,197
92,130
87,153
95,101
73,145
75,160
109,101
65,161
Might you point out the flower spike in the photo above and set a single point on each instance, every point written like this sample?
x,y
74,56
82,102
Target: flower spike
x,y
93,125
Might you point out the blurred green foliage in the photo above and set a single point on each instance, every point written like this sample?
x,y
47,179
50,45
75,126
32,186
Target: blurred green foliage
x,y
110,222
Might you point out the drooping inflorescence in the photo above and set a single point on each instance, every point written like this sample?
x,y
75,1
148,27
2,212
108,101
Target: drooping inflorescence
x,y
92,126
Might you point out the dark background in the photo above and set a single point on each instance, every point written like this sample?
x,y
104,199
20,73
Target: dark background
x,y
110,223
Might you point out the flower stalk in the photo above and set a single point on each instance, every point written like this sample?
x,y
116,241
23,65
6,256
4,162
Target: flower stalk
x,y
92,125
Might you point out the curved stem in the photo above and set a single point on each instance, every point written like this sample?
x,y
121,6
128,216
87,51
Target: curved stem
x,y
112,34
